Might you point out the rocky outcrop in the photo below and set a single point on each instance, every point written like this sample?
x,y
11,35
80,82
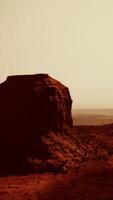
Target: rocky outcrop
x,y
31,107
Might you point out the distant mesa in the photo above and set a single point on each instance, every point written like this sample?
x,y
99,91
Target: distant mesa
x,y
33,110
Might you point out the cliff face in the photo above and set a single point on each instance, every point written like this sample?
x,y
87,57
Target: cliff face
x,y
55,102
30,107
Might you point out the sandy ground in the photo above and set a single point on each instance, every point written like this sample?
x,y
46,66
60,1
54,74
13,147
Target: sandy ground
x,y
93,182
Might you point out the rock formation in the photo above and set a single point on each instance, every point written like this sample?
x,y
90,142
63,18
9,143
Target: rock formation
x,y
32,107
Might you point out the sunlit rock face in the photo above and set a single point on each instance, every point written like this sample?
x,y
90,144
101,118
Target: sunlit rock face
x,y
30,107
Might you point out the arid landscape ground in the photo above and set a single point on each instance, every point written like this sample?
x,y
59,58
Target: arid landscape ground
x,y
91,180
92,116
94,182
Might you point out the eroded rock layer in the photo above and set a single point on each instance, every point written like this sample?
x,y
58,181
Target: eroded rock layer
x,y
31,106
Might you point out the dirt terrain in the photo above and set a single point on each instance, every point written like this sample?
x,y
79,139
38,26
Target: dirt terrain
x,y
86,119
92,180
91,183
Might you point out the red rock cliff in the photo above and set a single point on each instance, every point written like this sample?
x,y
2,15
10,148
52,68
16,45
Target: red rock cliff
x,y
30,107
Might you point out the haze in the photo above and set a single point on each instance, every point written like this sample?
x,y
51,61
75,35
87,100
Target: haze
x,y
72,40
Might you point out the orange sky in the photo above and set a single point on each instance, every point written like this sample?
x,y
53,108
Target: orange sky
x,y
72,40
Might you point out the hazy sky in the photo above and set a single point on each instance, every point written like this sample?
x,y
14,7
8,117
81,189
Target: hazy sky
x,y
72,40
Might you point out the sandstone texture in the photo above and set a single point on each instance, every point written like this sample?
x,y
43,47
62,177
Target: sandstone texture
x,y
33,108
